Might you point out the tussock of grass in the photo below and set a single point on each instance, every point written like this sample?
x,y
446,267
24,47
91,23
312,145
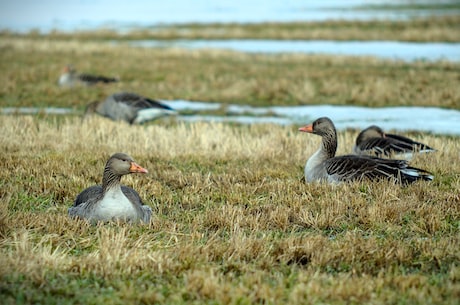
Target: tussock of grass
x,y
233,223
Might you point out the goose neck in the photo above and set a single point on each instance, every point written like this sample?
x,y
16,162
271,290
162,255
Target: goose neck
x,y
110,179
329,144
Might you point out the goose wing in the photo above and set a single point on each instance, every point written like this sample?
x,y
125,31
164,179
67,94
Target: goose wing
x,y
351,167
132,195
413,144
384,146
85,201
92,79
138,102
88,194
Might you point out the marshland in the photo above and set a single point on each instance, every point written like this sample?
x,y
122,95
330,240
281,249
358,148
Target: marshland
x,y
233,220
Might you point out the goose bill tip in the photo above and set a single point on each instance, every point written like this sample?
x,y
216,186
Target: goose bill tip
x,y
307,128
136,168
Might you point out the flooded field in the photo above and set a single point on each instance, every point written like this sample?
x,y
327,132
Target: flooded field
x,y
407,51
120,15
426,119
25,15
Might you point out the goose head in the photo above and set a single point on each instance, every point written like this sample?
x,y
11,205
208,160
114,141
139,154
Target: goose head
x,y
369,133
122,164
68,69
322,127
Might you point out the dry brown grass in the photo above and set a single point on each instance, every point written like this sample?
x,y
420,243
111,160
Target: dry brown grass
x,y
233,221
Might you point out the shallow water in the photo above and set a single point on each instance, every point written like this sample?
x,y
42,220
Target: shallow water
x,y
407,51
34,110
425,119
45,15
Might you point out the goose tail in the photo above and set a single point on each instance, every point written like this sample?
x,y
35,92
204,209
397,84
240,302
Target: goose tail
x,y
411,174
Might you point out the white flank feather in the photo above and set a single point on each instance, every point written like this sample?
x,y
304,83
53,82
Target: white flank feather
x,y
152,114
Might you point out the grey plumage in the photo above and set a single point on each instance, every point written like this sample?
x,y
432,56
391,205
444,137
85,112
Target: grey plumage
x,y
130,107
112,201
373,141
325,166
70,78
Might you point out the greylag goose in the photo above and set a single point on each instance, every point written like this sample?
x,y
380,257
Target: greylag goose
x,y
112,201
70,78
325,166
129,107
373,141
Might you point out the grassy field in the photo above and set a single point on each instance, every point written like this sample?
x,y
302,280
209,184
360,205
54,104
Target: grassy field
x,y
31,69
429,29
234,222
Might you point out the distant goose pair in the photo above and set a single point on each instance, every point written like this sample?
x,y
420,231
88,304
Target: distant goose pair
x,y
325,166
70,78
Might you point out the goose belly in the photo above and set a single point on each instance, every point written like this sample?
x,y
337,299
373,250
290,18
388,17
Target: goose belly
x,y
65,80
313,168
116,206
151,114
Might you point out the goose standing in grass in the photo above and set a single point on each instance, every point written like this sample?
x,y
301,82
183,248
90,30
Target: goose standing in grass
x,y
373,141
130,107
70,78
112,201
325,166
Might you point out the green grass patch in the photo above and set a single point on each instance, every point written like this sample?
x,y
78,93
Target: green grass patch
x,y
233,221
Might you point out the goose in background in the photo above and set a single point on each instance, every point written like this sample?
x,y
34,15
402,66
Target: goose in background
x,y
70,78
130,107
325,166
373,141
112,201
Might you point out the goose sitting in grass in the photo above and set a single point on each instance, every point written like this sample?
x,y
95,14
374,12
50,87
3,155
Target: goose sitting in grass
x,y
325,166
112,201
70,78
130,107
373,141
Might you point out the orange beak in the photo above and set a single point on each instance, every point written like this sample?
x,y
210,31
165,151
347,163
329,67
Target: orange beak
x,y
136,168
307,128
